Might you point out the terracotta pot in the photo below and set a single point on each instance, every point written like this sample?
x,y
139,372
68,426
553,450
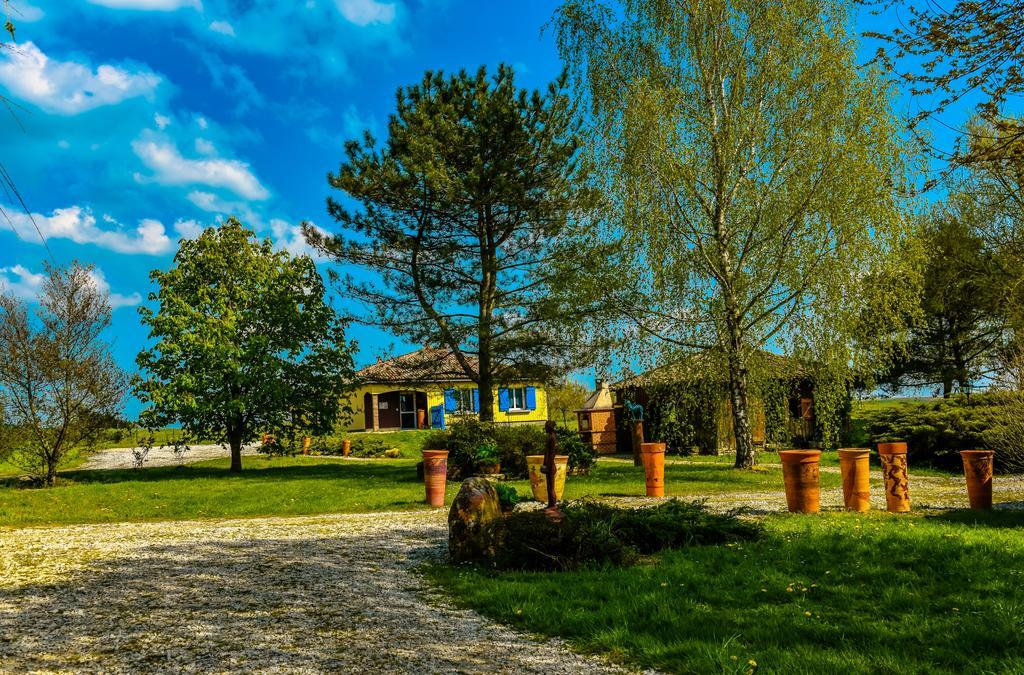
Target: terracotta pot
x,y
653,455
978,471
539,482
305,445
421,419
854,464
638,441
800,473
435,475
346,448
897,478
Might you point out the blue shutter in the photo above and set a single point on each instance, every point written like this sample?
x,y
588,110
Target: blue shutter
x,y
503,404
437,417
451,403
531,398
476,400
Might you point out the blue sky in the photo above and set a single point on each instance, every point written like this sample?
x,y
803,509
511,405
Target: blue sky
x,y
138,122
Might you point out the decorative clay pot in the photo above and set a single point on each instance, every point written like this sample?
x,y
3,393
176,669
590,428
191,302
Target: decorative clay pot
x,y
897,479
421,419
346,448
653,455
854,464
435,475
978,471
801,475
539,481
305,445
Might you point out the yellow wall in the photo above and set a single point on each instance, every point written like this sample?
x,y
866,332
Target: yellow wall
x,y
435,396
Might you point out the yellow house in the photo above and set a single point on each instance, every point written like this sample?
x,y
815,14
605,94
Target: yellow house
x,y
427,389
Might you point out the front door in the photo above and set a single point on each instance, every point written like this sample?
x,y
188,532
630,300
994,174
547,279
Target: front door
x,y
407,406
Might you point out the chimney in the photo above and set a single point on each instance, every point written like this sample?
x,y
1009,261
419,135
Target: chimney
x,y
599,383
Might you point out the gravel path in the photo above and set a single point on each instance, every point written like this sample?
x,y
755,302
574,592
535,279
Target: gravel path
x,y
312,594
122,458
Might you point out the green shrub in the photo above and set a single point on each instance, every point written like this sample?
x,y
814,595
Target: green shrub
x,y
515,442
370,447
593,535
581,454
508,496
464,439
936,431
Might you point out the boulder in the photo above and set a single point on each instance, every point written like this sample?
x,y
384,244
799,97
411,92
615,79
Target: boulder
x,y
475,508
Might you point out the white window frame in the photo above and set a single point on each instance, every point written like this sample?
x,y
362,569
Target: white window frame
x,y
464,401
513,393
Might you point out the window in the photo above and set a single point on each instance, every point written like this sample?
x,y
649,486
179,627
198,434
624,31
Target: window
x,y
517,398
464,401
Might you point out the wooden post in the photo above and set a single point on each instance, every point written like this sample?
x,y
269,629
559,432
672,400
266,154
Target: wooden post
x,y
638,440
376,411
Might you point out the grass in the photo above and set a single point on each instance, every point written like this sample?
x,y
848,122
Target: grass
x,y
818,594
310,485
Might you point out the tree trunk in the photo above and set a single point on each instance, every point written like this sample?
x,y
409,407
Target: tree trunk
x,y
738,376
486,387
235,443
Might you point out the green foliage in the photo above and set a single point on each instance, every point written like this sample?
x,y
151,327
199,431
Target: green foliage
x,y
564,399
462,212
936,431
595,534
487,454
582,455
244,342
749,162
508,496
464,438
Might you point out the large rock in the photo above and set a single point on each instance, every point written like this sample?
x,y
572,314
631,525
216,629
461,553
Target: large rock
x,y
475,507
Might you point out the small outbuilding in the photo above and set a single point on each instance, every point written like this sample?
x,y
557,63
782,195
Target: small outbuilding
x,y
597,420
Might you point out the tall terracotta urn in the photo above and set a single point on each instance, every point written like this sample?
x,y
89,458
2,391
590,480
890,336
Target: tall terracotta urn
x,y
539,481
435,475
421,418
800,473
305,445
897,478
346,447
653,455
978,471
855,467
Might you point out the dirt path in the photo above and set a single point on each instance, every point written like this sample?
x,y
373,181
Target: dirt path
x,y
122,458
312,594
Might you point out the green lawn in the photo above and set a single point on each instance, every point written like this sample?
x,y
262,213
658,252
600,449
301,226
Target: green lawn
x,y
836,593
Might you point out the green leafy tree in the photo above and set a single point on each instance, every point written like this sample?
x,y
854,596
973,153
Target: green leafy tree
x,y
244,342
963,328
59,385
750,167
461,213
565,398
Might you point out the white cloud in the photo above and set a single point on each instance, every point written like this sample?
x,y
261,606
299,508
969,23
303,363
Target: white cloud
x,y
365,12
188,229
161,121
288,237
68,87
205,147
148,5
79,225
25,284
171,168
222,27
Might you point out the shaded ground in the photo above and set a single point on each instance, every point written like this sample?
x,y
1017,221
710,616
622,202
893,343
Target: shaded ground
x,y
312,594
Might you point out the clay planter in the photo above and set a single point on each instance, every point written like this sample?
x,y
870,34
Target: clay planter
x,y
435,475
539,482
978,471
897,479
801,475
421,419
653,455
346,448
854,464
305,445
638,441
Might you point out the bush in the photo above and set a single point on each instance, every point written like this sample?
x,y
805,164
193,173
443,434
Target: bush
x,y
371,448
508,496
581,454
464,438
936,431
594,535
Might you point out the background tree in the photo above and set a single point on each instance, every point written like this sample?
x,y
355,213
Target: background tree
x,y
948,51
244,343
59,385
461,214
750,168
963,328
565,398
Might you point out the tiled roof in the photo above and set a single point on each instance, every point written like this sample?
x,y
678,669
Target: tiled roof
x,y
699,365
429,364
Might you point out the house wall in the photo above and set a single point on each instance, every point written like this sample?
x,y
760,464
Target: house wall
x,y
435,396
